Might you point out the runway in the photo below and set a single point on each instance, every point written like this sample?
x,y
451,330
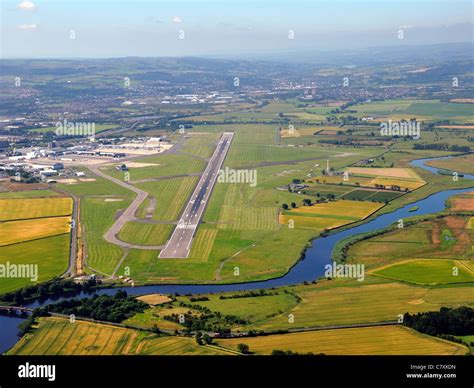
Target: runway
x,y
179,244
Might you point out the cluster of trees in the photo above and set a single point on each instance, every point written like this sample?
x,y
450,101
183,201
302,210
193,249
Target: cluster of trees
x,y
25,326
24,176
441,147
278,352
454,321
114,308
250,294
355,143
309,202
207,320
203,339
198,298
51,289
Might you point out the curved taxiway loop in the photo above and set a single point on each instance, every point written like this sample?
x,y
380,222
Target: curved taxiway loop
x,y
127,215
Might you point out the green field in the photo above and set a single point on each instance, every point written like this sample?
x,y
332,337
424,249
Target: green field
x,y
328,303
254,309
97,217
461,164
171,196
145,234
426,271
50,254
421,109
164,165
440,239
28,194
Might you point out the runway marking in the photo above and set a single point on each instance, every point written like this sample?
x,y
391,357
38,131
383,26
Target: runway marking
x,y
194,210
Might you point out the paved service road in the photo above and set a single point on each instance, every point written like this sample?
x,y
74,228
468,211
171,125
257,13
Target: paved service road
x,y
179,244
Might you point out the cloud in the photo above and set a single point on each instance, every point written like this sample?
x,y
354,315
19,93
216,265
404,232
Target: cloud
x,y
27,26
27,5
177,19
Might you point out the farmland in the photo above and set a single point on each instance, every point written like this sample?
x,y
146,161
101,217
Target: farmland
x,y
421,109
28,194
13,232
16,209
313,169
426,271
440,239
388,177
34,231
346,302
241,225
460,164
327,303
462,202
381,340
56,336
328,215
50,254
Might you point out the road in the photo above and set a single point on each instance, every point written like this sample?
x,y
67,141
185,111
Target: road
x,y
71,270
179,244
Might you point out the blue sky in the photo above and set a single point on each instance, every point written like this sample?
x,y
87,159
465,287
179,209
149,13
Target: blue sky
x,y
109,28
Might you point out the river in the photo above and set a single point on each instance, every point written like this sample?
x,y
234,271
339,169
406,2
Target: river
x,y
309,269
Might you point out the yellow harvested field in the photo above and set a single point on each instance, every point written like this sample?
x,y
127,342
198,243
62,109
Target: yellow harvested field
x,y
405,173
317,223
377,340
356,209
470,224
154,299
24,208
328,215
13,232
463,202
57,336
